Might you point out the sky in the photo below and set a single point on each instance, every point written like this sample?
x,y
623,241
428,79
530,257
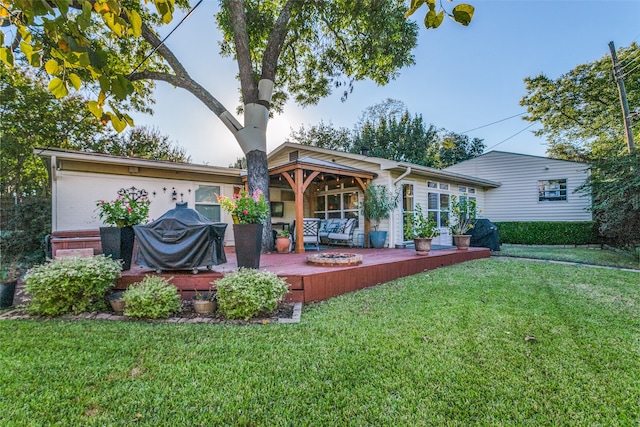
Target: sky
x,y
465,78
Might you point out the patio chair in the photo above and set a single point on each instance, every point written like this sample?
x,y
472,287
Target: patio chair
x,y
310,232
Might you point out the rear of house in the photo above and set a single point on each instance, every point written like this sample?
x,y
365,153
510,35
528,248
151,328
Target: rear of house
x,y
532,188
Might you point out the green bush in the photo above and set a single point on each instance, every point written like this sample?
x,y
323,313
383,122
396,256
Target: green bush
x,y
548,233
152,298
70,285
246,293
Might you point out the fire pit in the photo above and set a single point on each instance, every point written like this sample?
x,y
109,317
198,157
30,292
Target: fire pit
x,y
335,259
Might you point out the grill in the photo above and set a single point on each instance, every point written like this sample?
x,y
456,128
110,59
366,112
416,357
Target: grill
x,y
180,239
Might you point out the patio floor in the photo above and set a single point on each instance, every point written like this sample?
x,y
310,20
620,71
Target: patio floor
x,y
308,283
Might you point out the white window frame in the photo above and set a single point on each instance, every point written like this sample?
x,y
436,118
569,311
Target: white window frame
x,y
548,193
207,203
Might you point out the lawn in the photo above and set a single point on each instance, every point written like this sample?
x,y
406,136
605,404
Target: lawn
x,y
490,342
605,257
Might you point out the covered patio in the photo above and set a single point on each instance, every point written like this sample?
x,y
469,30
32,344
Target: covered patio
x,y
306,176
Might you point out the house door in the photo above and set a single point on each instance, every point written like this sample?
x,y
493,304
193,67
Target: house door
x,y
407,210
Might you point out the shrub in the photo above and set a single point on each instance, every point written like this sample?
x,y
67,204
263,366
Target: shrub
x,y
70,285
548,233
247,292
152,298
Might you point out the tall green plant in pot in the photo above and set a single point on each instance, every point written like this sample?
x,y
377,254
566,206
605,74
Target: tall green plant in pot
x,y
463,218
378,203
423,229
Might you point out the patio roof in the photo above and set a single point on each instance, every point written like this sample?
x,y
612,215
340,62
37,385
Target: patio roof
x,y
302,172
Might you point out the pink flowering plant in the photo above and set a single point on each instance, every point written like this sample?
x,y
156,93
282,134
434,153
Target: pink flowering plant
x,y
124,211
246,208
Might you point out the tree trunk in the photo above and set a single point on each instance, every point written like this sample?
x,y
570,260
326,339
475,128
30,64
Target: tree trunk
x,y
258,179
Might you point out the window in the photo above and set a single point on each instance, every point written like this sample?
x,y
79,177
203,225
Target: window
x,y
407,209
552,190
207,201
438,208
338,203
432,184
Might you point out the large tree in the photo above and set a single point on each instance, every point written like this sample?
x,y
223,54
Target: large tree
x,y
580,110
287,48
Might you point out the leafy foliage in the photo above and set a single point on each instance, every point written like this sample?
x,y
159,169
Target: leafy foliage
x,y
614,184
387,130
580,110
124,211
152,298
140,142
70,285
24,221
379,200
246,209
463,214
247,292
548,233
462,13
420,225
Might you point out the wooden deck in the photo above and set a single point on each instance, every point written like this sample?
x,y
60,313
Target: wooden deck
x,y
308,283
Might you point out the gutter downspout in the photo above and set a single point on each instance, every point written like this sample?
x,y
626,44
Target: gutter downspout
x,y
54,194
392,222
404,174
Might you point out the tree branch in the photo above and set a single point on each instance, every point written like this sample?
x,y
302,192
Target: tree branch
x,y
275,43
248,84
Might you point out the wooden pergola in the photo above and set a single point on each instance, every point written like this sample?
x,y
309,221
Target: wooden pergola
x,y
303,172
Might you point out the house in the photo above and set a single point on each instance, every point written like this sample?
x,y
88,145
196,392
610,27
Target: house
x,y
532,188
307,181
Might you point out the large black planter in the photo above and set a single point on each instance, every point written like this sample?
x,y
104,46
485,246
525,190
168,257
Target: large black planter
x,y
117,242
7,291
248,238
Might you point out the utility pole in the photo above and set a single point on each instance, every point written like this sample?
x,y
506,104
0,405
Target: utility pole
x,y
617,73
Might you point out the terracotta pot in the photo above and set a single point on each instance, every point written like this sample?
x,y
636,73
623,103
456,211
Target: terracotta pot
x,y
117,303
204,306
422,244
462,242
283,244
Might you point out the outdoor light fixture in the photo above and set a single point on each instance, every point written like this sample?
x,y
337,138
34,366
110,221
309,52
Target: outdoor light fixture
x,y
174,194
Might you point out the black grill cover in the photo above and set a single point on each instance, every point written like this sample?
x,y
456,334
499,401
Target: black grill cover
x,y
484,234
182,238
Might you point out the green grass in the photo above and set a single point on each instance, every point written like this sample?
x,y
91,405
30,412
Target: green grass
x,y
446,347
585,256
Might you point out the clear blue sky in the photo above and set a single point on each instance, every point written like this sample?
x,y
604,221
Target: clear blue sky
x,y
464,77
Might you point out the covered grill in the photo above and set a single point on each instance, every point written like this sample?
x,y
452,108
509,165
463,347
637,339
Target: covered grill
x,y
182,238
484,234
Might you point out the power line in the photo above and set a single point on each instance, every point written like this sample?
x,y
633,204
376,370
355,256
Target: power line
x,y
506,139
493,123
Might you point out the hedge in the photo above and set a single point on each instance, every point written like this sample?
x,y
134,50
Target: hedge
x,y
548,233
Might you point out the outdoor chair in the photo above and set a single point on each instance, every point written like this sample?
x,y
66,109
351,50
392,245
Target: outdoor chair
x,y
310,232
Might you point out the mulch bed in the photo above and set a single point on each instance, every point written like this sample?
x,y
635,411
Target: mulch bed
x,y
187,315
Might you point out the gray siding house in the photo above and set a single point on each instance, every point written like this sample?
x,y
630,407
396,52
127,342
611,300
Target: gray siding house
x,y
532,188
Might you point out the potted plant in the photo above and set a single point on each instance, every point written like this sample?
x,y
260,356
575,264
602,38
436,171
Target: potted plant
x,y
423,229
10,274
249,211
378,203
204,303
283,241
463,214
129,209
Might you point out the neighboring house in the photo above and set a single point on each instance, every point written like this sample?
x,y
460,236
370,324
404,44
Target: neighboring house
x,y
307,181
532,188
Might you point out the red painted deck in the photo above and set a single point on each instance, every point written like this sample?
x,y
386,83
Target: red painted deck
x,y
309,283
